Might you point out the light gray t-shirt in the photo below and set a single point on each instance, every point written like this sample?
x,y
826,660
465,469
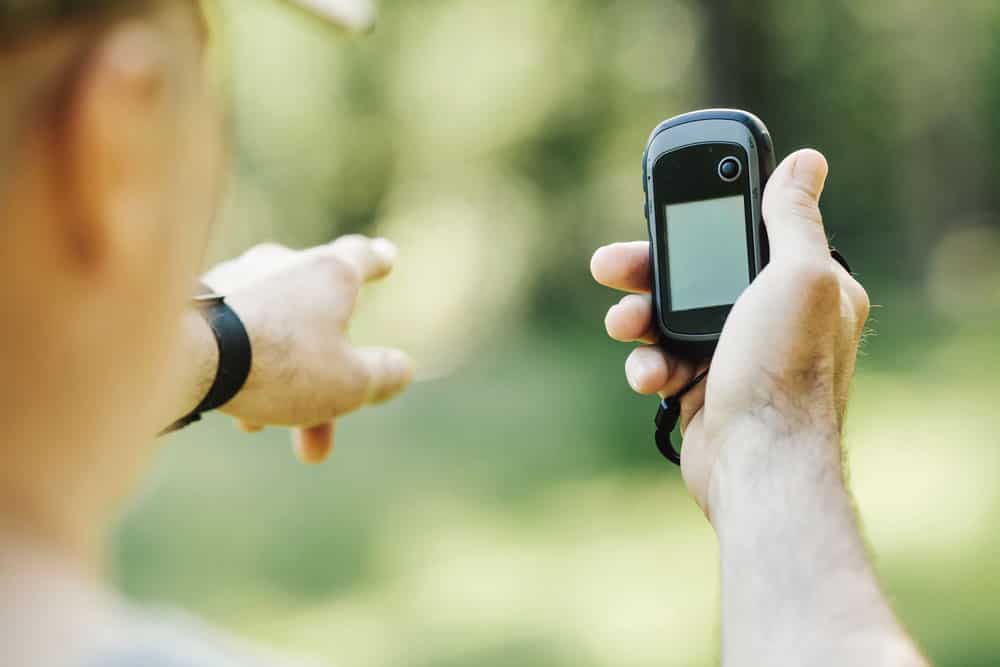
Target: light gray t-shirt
x,y
175,639
54,614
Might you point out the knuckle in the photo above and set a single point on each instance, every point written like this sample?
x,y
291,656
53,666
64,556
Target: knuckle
x,y
265,250
336,269
801,204
816,279
351,243
362,379
861,300
379,386
855,296
350,387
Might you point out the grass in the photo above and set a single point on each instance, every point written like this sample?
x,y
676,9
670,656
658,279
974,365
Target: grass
x,y
517,513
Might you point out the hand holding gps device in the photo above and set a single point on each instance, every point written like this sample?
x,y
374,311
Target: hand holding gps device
x,y
703,175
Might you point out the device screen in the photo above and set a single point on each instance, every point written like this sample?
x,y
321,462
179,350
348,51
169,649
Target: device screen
x,y
707,252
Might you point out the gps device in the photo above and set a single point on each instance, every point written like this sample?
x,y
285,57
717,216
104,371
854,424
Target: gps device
x,y
703,174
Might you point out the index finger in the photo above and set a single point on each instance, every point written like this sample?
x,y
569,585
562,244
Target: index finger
x,y
623,266
372,258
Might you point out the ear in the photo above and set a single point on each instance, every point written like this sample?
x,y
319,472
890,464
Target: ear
x,y
119,129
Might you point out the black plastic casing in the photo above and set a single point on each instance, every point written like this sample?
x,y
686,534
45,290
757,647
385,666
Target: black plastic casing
x,y
694,334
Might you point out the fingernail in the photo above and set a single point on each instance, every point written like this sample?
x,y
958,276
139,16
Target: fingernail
x,y
637,372
385,249
809,171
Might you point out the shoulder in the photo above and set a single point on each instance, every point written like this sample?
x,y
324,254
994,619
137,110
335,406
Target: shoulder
x,y
174,639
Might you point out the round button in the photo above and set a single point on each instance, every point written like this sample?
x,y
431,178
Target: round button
x,y
730,169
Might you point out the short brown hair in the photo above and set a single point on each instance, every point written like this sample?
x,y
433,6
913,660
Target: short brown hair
x,y
22,18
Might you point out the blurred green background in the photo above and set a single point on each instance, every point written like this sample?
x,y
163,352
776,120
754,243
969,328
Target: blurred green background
x,y
511,508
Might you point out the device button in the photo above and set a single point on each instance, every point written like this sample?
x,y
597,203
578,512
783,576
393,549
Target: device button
x,y
645,209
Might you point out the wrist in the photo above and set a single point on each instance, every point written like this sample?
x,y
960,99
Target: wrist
x,y
263,346
764,470
195,364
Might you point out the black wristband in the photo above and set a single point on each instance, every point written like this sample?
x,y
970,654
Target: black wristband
x,y
235,357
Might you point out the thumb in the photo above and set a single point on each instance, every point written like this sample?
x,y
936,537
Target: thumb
x,y
791,207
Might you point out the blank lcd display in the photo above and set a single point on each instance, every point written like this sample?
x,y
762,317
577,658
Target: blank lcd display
x,y
707,250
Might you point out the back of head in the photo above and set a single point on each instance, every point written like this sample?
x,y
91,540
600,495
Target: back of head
x,y
110,163
20,18
40,42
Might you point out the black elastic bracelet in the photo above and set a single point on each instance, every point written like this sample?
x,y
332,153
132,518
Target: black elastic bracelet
x,y
235,357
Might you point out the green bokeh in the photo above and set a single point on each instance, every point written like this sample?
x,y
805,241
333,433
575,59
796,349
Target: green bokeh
x,y
511,509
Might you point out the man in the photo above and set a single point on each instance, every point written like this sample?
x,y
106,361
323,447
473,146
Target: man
x,y
761,451
110,158
111,170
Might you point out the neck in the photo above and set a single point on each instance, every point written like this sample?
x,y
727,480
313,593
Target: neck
x,y
66,457
51,525
52,496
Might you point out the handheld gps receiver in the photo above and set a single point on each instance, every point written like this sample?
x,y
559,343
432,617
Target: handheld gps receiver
x,y
703,174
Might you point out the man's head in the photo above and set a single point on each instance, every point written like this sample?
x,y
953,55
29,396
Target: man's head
x,y
110,170
110,173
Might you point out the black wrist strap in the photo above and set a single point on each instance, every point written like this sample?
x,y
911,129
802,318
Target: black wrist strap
x,y
235,357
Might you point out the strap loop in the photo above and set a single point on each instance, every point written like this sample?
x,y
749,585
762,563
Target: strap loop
x,y
667,417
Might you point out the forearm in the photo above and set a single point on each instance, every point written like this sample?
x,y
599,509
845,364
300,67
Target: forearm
x,y
797,587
